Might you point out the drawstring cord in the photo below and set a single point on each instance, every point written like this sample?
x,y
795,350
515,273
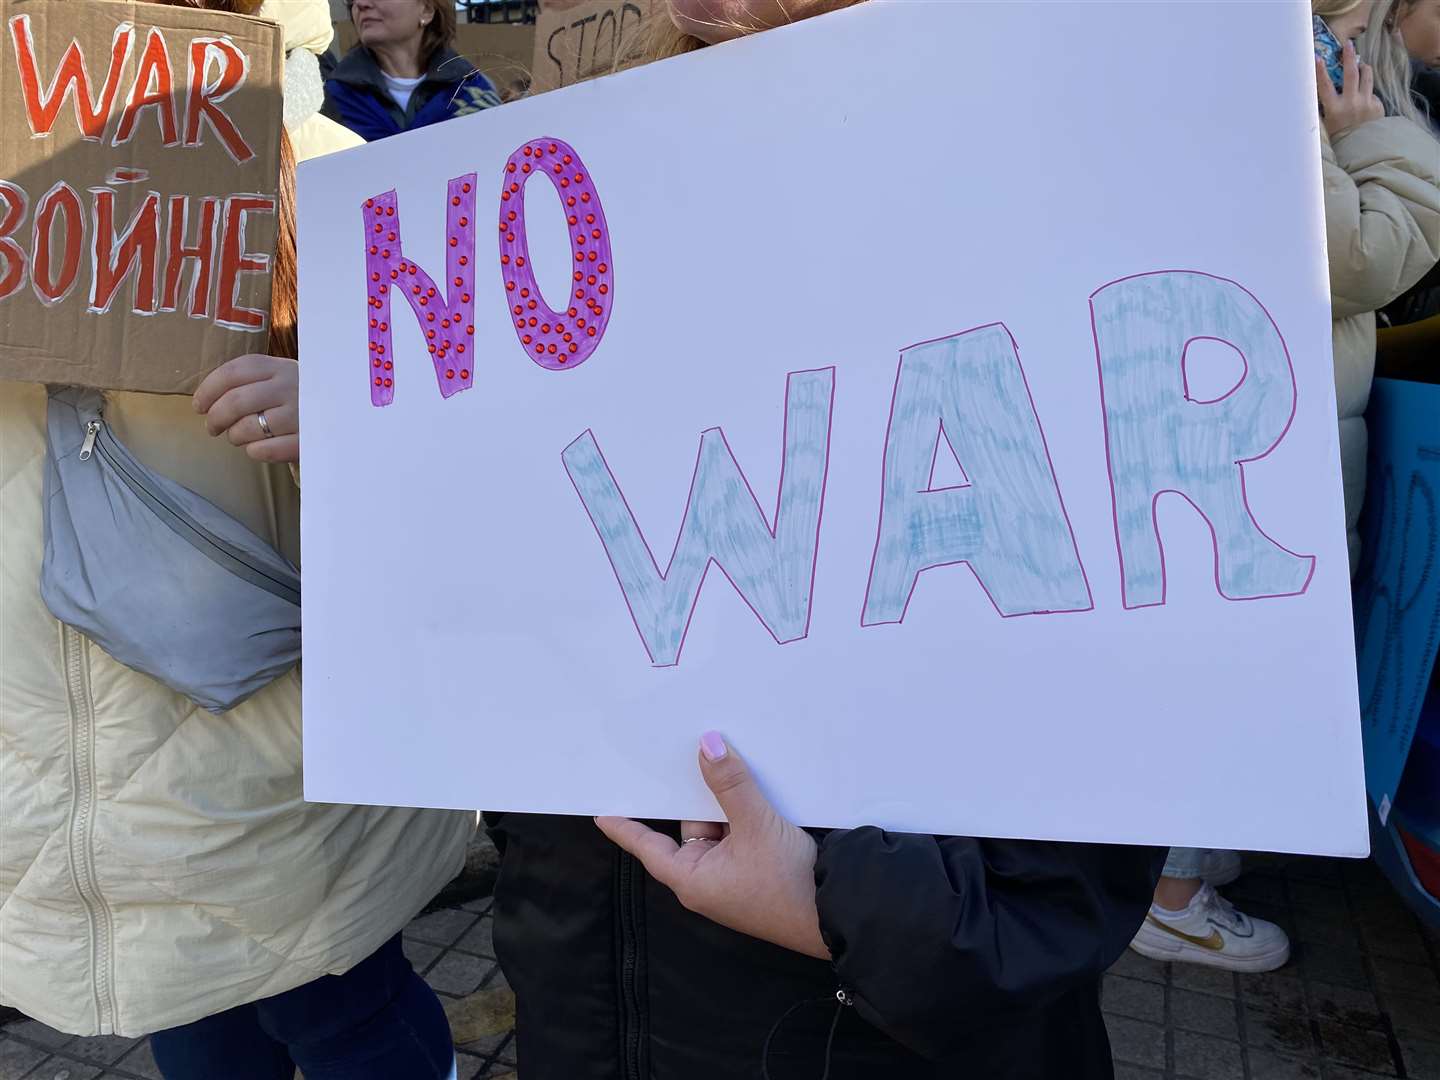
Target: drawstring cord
x,y
842,999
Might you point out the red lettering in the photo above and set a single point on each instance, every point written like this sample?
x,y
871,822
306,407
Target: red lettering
x,y
139,244
203,100
71,78
12,253
60,201
234,261
203,253
154,68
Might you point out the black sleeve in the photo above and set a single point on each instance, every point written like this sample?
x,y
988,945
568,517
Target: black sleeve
x,y
920,926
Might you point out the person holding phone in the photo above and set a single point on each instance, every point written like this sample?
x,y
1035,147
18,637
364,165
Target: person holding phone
x,y
1349,23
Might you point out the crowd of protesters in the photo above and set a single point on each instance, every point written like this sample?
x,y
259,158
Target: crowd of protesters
x,y
259,933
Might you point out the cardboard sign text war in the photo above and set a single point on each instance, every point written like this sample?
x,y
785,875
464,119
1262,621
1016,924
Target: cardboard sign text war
x,y
138,181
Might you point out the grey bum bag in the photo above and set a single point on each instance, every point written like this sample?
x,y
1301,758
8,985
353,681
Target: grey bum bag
x,y
162,580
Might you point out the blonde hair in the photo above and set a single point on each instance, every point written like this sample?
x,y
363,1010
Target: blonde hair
x,y
1329,9
661,39
658,39
1380,47
1383,49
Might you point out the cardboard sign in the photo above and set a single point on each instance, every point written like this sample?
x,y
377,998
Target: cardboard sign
x,y
1397,591
138,177
974,469
579,39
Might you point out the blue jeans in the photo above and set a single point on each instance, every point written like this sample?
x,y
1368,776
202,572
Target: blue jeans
x,y
1186,863
378,1021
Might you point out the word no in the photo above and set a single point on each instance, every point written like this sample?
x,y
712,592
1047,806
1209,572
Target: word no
x,y
557,339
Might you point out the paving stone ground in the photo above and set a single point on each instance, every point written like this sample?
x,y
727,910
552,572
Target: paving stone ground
x,y
1360,999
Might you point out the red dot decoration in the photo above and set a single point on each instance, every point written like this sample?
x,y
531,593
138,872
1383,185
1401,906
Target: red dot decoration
x,y
383,260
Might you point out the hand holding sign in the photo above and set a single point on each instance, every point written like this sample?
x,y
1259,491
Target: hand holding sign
x,y
756,875
254,401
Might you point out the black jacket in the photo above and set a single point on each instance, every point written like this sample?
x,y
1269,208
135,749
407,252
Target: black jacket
x,y
956,958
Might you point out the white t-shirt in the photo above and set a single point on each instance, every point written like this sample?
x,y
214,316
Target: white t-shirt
x,y
401,89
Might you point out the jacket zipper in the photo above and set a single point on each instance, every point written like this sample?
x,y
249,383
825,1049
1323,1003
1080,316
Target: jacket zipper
x,y
82,823
98,439
632,1018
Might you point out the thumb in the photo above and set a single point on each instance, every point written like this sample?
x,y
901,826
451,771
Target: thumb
x,y
729,780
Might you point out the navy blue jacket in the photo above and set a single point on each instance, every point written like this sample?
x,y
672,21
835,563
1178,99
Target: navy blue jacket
x,y
357,97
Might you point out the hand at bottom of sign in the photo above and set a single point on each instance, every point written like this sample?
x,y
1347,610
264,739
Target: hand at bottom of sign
x,y
755,875
254,401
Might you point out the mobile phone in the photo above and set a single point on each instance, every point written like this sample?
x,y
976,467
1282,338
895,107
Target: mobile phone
x,y
1328,48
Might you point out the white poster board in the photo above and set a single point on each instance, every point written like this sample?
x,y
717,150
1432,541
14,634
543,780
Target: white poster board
x,y
775,235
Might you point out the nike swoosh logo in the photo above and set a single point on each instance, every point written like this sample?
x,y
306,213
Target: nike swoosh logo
x,y
1214,942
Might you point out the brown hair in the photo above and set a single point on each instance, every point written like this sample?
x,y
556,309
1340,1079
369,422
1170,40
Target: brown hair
x,y
284,267
234,7
439,32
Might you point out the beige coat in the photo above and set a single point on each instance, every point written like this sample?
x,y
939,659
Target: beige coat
x,y
157,863
1382,220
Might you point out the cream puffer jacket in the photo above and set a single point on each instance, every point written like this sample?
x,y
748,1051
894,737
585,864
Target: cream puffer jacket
x,y
1382,221
158,864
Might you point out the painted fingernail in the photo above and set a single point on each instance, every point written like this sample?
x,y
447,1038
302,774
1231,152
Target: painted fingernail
x,y
712,745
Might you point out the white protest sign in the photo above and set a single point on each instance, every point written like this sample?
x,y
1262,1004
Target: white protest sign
x,y
1071,567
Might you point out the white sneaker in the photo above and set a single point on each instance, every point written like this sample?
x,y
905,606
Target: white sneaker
x,y
1211,932
1220,868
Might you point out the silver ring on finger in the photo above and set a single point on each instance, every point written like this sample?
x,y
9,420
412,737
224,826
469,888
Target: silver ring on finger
x,y
264,424
692,839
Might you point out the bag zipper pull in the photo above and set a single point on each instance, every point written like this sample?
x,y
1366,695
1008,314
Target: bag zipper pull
x,y
92,429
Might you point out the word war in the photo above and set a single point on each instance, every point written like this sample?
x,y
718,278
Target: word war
x,y
1006,520
164,234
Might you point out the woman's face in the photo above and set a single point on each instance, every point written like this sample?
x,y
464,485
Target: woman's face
x,y
1420,30
390,22
1351,25
720,20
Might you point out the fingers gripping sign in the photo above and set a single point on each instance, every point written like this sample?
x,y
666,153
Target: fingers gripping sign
x,y
755,874
254,401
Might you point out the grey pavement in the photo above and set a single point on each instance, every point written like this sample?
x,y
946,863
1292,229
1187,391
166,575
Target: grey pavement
x,y
1360,998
